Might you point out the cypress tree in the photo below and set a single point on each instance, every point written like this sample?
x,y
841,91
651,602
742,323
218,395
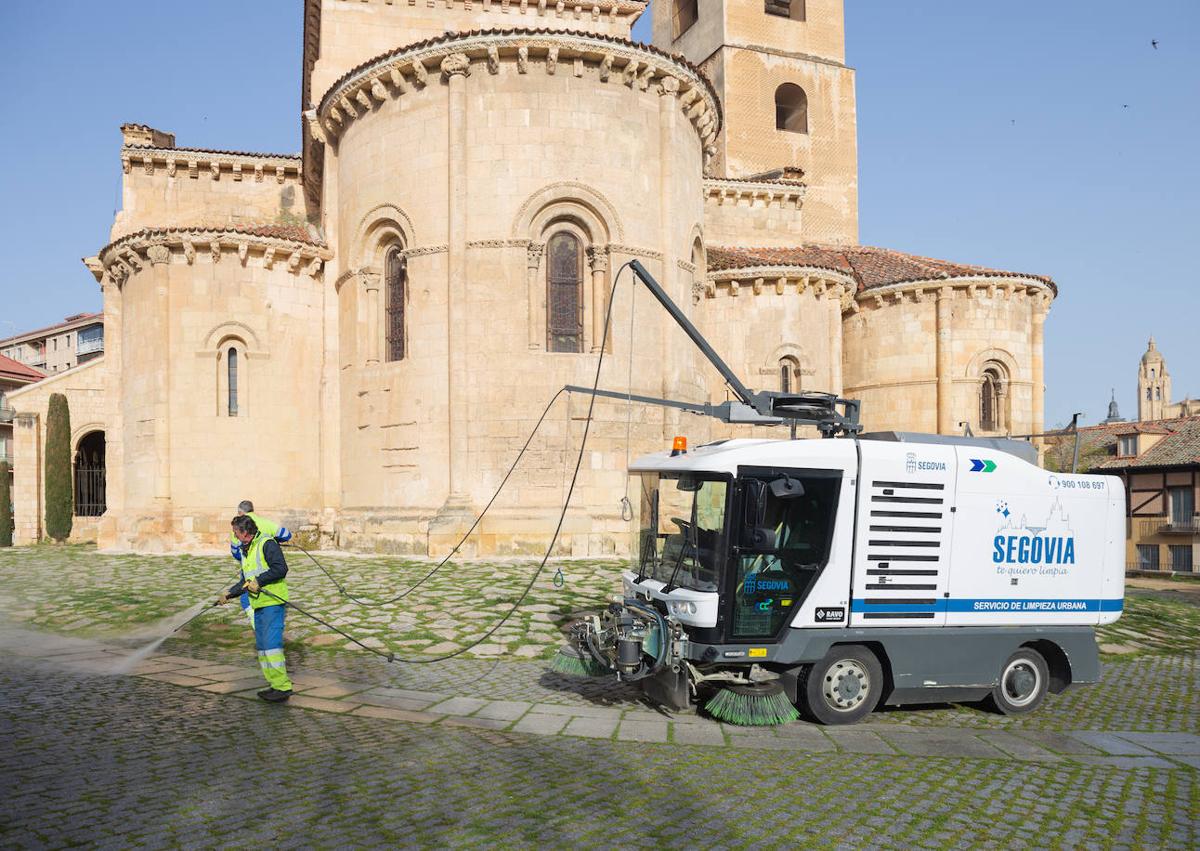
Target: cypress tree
x,y
59,492
6,514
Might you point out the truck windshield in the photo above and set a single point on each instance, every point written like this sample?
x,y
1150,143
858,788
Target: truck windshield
x,y
682,529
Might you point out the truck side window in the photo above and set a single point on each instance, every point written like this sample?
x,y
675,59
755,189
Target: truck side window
x,y
775,576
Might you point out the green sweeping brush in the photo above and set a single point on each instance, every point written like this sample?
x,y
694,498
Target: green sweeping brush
x,y
573,662
754,705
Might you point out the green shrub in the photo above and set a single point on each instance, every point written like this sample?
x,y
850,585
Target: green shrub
x,y
60,496
6,513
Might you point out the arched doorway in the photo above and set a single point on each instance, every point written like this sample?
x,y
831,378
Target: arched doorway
x,y
89,475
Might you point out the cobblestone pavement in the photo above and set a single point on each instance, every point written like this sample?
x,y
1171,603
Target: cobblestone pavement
x,y
120,761
499,751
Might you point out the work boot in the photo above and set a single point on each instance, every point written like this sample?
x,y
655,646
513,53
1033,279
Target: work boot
x,y
265,694
275,695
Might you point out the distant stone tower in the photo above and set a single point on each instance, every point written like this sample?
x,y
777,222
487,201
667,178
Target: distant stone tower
x,y
788,97
1154,385
1114,413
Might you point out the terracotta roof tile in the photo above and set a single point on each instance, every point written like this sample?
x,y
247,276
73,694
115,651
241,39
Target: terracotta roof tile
x,y
871,267
14,369
292,233
255,154
1179,447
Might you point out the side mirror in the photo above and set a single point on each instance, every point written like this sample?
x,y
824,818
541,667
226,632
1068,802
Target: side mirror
x,y
785,487
759,538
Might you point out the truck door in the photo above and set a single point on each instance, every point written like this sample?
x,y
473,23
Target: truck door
x,y
903,534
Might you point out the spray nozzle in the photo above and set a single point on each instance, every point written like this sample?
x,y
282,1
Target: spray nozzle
x,y
391,657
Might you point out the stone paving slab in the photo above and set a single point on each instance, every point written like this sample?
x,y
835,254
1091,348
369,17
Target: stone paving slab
x,y
697,734
1127,761
458,706
1017,746
860,741
393,702
503,710
592,728
642,731
397,714
1175,744
540,724
963,743
478,723
1062,743
321,704
178,679
1111,743
336,690
232,686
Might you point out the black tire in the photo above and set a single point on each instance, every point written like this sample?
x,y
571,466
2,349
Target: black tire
x,y
1023,682
843,688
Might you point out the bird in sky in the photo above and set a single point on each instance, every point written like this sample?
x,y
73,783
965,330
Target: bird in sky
x,y
1154,43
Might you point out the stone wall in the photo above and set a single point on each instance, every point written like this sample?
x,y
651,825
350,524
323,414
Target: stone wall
x,y
88,402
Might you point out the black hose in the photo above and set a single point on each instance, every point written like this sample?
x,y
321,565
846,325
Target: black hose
x,y
391,657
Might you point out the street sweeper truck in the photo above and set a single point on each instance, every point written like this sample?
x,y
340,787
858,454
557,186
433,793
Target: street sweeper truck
x,y
835,575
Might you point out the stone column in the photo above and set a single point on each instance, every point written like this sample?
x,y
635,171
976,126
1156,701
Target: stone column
x,y
1040,306
598,261
834,296
370,281
945,361
533,262
27,479
457,67
160,266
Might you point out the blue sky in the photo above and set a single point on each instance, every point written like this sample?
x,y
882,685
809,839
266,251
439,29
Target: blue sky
x,y
1042,137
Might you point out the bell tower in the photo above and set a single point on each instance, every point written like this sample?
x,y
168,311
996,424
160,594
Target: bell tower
x,y
1154,385
787,95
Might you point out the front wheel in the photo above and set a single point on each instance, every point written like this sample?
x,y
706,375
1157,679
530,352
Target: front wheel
x,y
843,688
1024,679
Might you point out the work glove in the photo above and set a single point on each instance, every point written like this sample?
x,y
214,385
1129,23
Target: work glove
x,y
223,599
252,586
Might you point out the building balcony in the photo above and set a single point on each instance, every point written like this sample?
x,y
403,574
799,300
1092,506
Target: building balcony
x,y
86,347
1148,527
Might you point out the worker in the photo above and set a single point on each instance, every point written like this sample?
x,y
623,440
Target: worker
x,y
263,572
268,528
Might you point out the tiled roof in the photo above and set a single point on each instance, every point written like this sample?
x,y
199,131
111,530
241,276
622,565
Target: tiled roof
x,y
292,233
870,267
1179,446
15,370
255,154
76,319
521,31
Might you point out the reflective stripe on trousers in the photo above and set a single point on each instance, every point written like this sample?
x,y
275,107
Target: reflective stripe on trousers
x,y
268,638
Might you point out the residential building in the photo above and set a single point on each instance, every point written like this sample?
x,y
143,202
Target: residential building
x,y
77,339
13,375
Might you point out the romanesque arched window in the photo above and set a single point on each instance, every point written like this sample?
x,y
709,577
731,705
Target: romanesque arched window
x,y
395,282
991,391
789,372
231,372
684,13
791,109
564,293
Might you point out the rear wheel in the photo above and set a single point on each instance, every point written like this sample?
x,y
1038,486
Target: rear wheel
x,y
1024,679
843,688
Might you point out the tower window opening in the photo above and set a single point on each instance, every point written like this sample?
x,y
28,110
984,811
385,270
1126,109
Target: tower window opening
x,y
791,109
684,13
788,371
793,9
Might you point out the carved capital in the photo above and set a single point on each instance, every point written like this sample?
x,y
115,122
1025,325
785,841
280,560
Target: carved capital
x,y
158,254
370,279
668,86
533,254
456,65
597,256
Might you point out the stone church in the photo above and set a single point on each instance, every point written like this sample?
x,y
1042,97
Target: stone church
x,y
360,336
